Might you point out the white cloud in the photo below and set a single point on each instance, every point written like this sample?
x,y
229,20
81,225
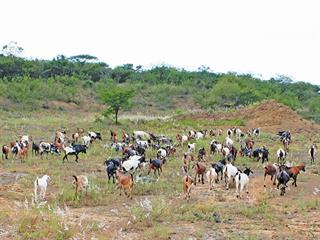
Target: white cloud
x,y
266,37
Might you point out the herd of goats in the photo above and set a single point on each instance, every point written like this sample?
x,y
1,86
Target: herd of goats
x,y
133,158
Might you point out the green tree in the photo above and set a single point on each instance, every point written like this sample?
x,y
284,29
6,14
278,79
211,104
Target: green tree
x,y
116,97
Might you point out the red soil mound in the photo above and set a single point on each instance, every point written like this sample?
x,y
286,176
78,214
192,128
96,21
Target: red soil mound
x,y
270,115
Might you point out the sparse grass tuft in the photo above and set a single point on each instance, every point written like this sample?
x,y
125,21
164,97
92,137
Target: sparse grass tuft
x,y
42,224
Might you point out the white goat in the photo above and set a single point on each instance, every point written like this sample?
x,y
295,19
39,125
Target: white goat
x,y
141,135
199,135
211,177
133,163
238,134
144,144
229,172
41,184
242,181
225,151
191,147
281,155
229,142
86,140
162,153
24,140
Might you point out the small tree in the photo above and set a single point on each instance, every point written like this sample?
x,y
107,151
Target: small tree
x,y
12,49
116,97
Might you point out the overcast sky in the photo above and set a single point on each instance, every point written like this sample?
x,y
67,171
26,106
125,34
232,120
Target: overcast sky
x,y
266,37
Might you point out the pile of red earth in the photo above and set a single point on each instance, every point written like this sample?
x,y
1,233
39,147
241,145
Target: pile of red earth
x,y
270,115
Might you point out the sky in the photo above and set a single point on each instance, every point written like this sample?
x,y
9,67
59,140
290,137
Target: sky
x,y
261,37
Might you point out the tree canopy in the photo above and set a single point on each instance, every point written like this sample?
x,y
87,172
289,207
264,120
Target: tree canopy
x,y
163,87
116,98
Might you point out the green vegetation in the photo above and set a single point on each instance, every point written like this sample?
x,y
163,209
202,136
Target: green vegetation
x,y
116,97
34,83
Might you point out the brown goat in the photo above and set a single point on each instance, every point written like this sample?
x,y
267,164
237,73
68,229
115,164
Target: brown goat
x,y
187,183
124,182
5,152
75,137
23,153
80,182
272,170
187,158
200,170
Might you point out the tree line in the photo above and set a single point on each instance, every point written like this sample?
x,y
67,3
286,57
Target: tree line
x,y
67,78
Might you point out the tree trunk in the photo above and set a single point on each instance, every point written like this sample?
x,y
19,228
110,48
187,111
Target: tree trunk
x,y
116,112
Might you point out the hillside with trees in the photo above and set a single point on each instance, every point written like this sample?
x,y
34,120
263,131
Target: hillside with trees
x,y
34,83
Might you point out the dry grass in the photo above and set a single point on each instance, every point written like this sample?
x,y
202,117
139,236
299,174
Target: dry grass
x,y
108,214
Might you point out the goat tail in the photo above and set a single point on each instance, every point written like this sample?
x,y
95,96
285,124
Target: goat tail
x,y
75,178
131,177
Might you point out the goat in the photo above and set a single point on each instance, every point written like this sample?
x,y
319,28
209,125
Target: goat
x,y
187,183
156,165
191,147
140,135
95,135
281,155
282,178
229,142
201,154
229,171
80,182
113,136
74,150
225,151
239,134
44,148
144,144
87,140
261,154
125,182
215,132
187,158
133,163
215,147
5,152
199,135
41,184
211,177
200,170
229,133
182,138
111,167
294,172
23,152
161,153
270,169
24,140
35,149
219,166
76,135
256,131
242,181
313,152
